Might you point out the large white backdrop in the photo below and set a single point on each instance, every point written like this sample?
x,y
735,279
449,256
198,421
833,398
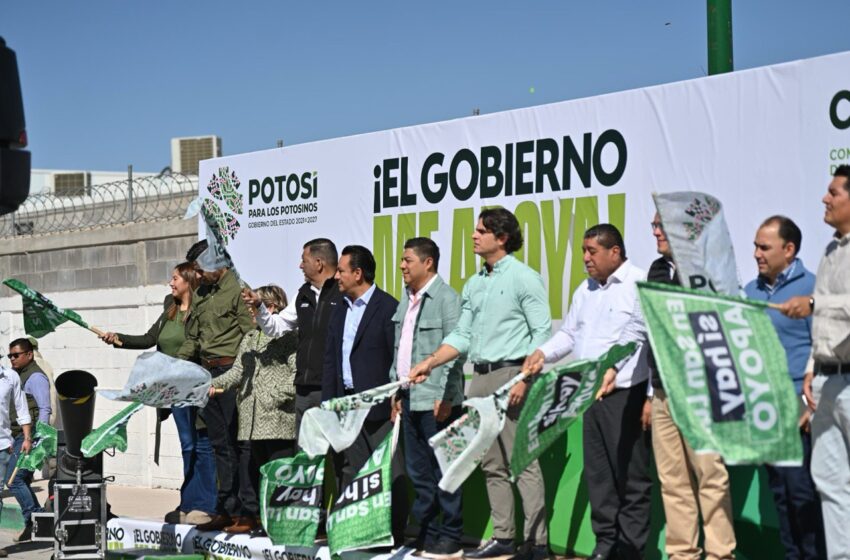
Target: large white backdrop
x,y
764,141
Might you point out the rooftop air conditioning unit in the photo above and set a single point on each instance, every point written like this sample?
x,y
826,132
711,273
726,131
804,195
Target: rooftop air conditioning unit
x,y
76,183
187,152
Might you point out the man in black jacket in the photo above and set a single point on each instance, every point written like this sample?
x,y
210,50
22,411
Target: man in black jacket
x,y
310,313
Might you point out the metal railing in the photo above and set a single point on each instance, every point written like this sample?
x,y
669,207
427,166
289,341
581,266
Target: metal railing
x,y
136,199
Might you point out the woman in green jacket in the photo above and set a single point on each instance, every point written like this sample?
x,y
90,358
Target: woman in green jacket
x,y
264,372
198,491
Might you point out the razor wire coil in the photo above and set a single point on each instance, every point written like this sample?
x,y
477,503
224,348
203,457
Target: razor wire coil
x,y
142,199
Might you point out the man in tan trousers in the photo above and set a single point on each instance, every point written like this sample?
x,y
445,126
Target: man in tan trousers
x,y
678,465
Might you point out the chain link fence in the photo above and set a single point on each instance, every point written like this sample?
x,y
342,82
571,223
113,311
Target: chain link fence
x,y
142,199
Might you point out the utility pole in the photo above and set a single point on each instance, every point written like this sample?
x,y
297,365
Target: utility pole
x,y
719,36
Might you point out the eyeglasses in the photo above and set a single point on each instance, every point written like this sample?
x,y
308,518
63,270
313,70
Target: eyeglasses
x,y
14,355
656,225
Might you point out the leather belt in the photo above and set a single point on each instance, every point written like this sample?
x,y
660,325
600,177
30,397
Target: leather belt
x,y
832,369
490,367
217,362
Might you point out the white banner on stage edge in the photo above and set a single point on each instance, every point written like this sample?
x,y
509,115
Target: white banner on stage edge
x,y
763,141
124,533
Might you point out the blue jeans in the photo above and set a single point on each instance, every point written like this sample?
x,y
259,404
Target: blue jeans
x,y
424,473
199,484
5,460
20,486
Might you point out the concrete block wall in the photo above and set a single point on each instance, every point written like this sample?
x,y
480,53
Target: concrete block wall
x,y
115,278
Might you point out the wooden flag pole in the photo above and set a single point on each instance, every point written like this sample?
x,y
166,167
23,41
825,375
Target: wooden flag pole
x,y
101,334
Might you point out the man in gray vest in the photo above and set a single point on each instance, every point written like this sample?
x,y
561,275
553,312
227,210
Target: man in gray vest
x,y
36,388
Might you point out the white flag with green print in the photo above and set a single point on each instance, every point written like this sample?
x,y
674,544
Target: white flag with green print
x,y
337,422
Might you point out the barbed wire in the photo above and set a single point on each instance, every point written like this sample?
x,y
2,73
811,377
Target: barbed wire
x,y
142,199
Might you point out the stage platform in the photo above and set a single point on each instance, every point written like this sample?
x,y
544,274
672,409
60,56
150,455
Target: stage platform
x,y
125,533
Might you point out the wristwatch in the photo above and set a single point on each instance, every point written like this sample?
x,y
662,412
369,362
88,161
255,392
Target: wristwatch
x,y
811,304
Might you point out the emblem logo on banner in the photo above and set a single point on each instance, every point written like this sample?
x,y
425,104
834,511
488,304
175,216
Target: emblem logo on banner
x,y
224,187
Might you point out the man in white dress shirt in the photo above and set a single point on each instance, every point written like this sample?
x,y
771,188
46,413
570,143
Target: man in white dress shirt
x,y
10,392
605,311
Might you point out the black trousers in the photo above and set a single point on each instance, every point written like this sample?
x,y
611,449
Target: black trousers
x,y
263,451
370,437
306,397
236,495
798,507
616,470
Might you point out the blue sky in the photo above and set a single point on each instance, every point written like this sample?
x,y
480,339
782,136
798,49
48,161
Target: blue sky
x,y
108,83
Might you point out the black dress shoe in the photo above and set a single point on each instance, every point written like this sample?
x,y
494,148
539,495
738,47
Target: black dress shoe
x,y
600,556
494,548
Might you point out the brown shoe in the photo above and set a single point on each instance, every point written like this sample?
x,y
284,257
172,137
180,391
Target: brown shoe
x,y
217,523
242,524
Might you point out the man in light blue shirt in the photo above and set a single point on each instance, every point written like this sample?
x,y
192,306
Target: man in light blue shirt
x,y
356,309
504,316
358,356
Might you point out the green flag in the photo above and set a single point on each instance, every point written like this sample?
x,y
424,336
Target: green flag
x,y
113,433
725,374
41,316
555,400
291,499
43,446
362,515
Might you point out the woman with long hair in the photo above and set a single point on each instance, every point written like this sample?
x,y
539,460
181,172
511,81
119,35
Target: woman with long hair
x,y
198,491
264,375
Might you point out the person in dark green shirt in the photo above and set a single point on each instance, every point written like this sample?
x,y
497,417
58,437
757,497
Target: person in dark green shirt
x,y
217,322
168,332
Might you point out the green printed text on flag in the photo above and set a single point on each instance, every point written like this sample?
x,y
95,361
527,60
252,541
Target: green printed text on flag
x,y
555,400
41,316
43,446
291,499
725,374
113,433
362,515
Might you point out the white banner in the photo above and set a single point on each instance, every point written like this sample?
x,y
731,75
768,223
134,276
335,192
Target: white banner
x,y
124,533
763,141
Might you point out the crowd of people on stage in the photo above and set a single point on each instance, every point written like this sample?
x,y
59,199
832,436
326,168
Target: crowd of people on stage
x,y
272,358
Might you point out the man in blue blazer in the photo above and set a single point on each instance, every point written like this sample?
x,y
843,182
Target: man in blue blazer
x,y
358,356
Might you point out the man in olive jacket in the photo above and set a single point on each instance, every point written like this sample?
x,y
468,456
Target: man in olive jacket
x,y
217,322
427,313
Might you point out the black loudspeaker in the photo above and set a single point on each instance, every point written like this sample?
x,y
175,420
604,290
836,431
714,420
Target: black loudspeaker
x,y
76,396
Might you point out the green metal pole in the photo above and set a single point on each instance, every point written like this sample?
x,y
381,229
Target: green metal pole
x,y
719,36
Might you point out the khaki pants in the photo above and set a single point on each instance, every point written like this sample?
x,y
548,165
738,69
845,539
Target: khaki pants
x,y
691,484
496,468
